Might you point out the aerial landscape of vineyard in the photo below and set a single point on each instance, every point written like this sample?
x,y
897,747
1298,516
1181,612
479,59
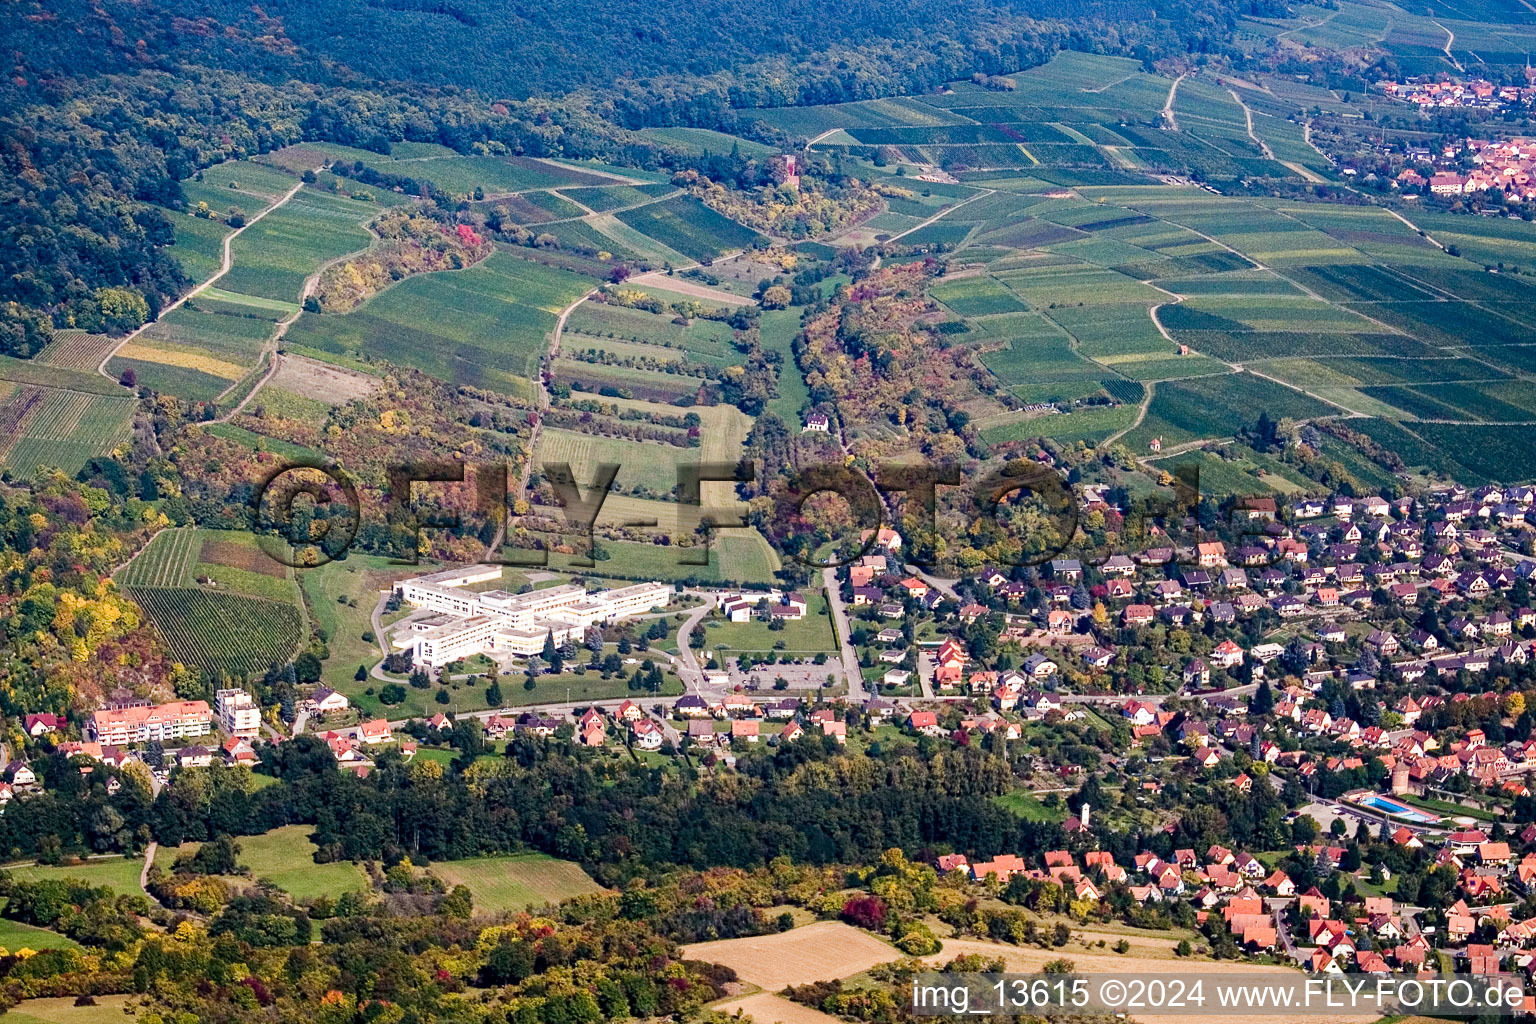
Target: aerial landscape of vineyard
x,y
582,514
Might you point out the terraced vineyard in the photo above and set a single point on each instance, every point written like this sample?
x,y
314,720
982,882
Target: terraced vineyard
x,y
227,633
166,561
43,426
1081,278
218,600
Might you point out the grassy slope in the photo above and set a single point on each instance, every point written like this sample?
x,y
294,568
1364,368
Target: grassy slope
x,y
516,882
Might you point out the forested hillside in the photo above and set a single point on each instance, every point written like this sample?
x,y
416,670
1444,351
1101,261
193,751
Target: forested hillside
x,y
105,109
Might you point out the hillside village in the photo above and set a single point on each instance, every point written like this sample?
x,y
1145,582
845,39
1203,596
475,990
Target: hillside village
x,y
1356,671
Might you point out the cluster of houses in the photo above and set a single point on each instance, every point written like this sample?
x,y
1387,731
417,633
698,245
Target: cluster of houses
x,y
112,730
1508,165
1266,912
1325,570
876,585
1437,91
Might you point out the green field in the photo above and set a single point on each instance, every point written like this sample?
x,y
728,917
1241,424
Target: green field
x,y
273,256
487,326
62,1010
16,936
570,687
689,227
117,873
358,579
514,882
286,856
736,556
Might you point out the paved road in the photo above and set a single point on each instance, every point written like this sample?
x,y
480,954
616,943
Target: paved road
x,y
851,670
943,586
688,668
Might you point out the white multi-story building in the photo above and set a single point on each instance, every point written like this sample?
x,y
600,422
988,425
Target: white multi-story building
x,y
176,720
239,715
472,622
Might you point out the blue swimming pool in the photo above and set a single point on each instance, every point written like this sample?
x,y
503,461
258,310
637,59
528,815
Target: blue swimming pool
x,y
1397,809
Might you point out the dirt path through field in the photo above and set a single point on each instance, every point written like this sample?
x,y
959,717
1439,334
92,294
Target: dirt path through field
x,y
227,262
942,213
1168,116
683,286
1269,154
1450,41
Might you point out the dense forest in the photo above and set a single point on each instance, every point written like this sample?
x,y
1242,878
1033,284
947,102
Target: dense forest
x,y
812,804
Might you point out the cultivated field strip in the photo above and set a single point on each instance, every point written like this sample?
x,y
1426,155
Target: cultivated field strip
x,y
43,426
229,633
166,561
76,350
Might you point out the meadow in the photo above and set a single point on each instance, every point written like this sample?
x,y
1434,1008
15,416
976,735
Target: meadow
x,y
342,595
15,936
285,856
120,874
516,882
734,556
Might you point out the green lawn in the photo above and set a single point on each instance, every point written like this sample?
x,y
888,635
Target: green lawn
x,y
358,578
119,873
1027,807
812,633
516,882
14,936
287,857
549,689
